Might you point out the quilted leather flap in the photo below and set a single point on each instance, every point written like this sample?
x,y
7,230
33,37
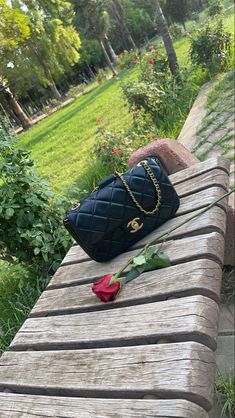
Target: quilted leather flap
x,y
111,205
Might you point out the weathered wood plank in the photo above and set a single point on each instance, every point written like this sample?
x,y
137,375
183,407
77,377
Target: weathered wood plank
x,y
178,370
213,220
201,168
194,318
180,251
29,406
196,277
201,199
203,181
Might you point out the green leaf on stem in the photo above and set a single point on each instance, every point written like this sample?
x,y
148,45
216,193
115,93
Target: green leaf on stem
x,y
151,259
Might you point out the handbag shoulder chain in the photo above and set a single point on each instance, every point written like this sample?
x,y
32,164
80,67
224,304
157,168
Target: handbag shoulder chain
x,y
155,182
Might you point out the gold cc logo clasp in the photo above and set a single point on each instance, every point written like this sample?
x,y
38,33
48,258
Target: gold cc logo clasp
x,y
135,225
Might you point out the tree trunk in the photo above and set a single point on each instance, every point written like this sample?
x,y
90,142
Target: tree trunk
x,y
107,58
164,31
14,105
118,14
112,52
52,85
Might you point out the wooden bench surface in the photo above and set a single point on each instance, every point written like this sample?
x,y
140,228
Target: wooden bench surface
x,y
148,354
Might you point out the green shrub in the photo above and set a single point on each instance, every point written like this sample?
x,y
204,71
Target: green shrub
x,y
152,91
225,393
215,7
210,46
101,76
31,229
125,60
112,149
176,31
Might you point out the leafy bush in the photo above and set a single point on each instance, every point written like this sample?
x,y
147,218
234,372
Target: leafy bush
x,y
19,291
152,91
210,46
176,31
125,60
215,7
112,149
101,76
31,230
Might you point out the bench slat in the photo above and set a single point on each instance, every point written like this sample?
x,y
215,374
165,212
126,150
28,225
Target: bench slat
x,y
29,406
201,199
195,277
203,181
192,318
179,370
202,246
197,169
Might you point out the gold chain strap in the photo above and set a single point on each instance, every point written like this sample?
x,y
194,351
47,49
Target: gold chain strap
x,y
156,186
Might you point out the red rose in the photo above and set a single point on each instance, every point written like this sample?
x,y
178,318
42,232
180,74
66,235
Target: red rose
x,y
114,150
104,291
151,61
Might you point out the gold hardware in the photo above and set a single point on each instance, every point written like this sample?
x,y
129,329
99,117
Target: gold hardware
x,y
156,186
140,164
135,225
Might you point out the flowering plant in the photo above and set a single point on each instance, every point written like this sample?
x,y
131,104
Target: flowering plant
x,y
151,257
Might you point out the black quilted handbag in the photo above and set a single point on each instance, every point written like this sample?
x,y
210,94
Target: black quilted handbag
x,y
123,209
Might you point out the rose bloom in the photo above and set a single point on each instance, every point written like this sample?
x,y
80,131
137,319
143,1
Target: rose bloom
x,y
151,61
104,291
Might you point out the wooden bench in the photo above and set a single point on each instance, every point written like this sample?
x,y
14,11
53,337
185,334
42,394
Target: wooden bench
x,y
150,353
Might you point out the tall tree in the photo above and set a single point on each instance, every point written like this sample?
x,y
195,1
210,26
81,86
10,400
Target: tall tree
x,y
117,12
164,31
92,21
14,30
54,44
178,10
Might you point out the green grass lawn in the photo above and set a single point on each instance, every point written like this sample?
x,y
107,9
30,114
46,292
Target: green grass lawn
x,y
61,144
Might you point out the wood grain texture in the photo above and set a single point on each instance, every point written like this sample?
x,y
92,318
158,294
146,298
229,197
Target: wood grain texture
x,y
195,277
203,167
192,318
201,199
203,181
29,406
179,370
180,251
213,220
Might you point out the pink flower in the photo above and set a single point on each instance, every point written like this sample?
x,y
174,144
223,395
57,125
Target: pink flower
x,y
150,135
151,61
116,151
99,119
105,291
135,62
